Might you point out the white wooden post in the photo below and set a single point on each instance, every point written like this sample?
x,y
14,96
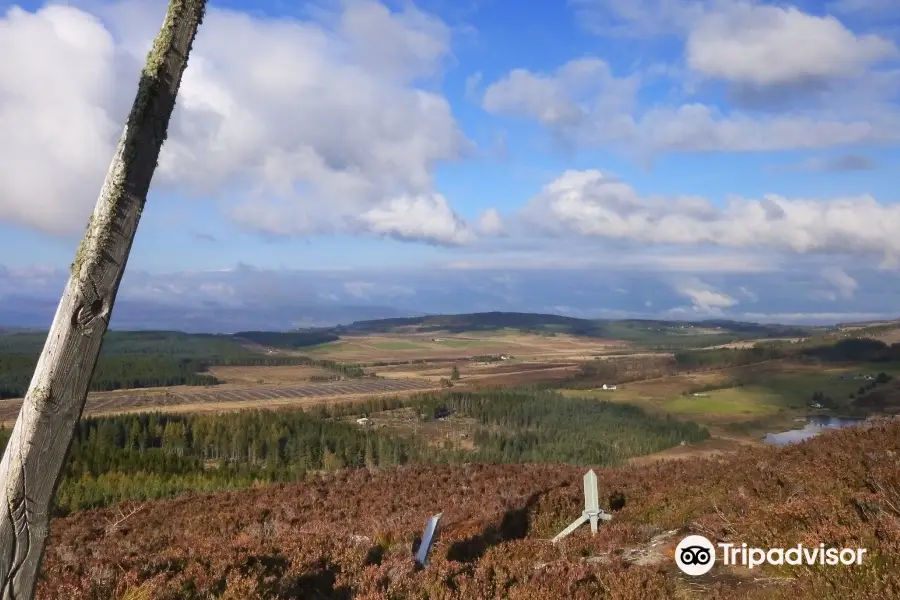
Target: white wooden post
x,y
592,512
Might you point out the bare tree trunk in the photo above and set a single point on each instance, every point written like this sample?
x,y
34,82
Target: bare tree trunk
x,y
34,457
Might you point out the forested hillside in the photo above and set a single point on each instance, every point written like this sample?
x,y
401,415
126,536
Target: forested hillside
x,y
661,334
152,455
626,369
541,426
288,339
848,350
140,359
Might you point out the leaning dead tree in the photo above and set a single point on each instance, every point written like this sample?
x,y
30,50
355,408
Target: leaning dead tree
x,y
33,461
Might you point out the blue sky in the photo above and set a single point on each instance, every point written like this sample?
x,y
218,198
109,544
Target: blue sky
x,y
673,158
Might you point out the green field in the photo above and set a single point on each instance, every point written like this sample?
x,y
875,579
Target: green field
x,y
396,346
327,347
742,402
465,343
712,407
766,398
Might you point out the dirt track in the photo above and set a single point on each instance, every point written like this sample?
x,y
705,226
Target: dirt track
x,y
257,396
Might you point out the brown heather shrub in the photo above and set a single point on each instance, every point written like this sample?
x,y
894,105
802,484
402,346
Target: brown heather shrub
x,y
351,534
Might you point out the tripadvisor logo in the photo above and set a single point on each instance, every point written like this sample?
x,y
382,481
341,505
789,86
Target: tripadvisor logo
x,y
695,555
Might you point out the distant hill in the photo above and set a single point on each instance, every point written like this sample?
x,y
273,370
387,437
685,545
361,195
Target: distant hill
x,y
649,333
637,330
487,321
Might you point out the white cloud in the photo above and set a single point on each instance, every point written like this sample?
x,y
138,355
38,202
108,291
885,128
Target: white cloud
x,y
819,84
698,127
839,278
57,79
490,222
300,128
564,255
425,217
592,204
579,94
765,45
704,298
584,105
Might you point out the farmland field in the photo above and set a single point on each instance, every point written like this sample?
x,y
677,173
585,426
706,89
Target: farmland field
x,y
387,347
509,373
264,375
187,399
755,397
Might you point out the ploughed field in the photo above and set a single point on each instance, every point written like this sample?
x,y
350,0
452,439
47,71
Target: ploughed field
x,y
351,534
232,397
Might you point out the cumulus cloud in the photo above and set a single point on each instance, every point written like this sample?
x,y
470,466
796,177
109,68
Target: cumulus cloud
x,y
424,217
704,298
758,44
698,127
300,128
832,89
552,98
572,100
57,83
593,204
585,115
839,278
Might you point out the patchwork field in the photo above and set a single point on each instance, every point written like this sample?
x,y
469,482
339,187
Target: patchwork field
x,y
507,373
752,399
743,344
390,347
220,398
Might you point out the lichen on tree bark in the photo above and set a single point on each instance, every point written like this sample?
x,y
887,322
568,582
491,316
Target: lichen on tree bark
x,y
34,456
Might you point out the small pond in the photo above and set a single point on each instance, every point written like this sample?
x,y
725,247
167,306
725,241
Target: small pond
x,y
814,426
